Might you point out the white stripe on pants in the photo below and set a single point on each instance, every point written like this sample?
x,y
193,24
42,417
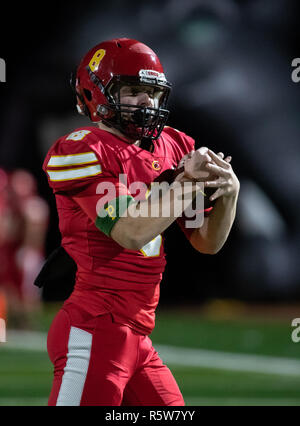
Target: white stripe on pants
x,y
75,371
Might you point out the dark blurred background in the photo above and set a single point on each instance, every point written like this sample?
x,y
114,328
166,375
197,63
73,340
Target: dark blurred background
x,y
230,65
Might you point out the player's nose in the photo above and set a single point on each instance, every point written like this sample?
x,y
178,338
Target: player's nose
x,y
145,100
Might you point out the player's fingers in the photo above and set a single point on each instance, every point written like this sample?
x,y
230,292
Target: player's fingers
x,y
202,157
202,154
215,183
217,194
228,159
219,161
219,171
220,154
184,158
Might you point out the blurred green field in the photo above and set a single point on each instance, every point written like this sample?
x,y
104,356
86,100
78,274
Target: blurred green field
x,y
26,374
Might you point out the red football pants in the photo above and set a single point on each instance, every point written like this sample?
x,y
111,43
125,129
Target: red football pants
x,y
99,362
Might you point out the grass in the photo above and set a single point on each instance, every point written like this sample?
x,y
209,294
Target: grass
x,y
26,375
251,336
216,386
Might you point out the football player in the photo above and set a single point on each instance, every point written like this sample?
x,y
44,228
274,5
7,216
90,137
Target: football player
x,y
99,341
23,226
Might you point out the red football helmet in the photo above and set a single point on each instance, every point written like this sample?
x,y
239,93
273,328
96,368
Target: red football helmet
x,y
104,70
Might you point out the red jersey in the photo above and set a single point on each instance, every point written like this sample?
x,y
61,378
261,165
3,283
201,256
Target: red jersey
x,y
109,277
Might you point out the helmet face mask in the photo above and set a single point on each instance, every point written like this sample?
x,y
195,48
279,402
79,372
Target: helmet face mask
x,y
123,62
136,121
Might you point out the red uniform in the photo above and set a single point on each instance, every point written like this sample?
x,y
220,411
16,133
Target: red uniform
x,y
24,221
116,290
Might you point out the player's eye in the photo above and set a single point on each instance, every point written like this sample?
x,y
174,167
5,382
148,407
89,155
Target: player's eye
x,y
150,93
134,92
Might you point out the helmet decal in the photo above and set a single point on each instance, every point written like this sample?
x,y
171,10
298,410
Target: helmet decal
x,y
96,59
152,76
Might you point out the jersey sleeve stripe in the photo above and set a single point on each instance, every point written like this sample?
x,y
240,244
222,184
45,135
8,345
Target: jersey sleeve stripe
x,y
72,159
71,174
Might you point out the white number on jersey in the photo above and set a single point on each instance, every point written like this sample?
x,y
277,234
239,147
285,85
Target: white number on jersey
x,y
153,247
78,136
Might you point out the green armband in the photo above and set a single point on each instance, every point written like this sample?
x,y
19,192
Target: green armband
x,y
109,215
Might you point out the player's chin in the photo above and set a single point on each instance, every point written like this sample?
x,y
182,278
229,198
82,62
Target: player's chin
x,y
136,132
133,133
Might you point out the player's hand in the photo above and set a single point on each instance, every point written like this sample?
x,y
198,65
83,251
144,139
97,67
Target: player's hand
x,y
184,158
179,171
226,181
194,165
